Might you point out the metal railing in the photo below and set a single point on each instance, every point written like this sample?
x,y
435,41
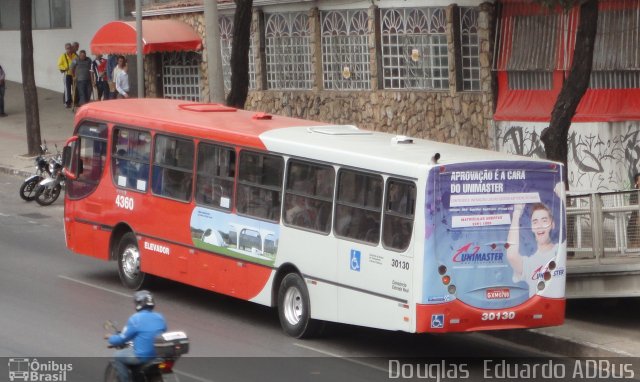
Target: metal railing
x,y
603,225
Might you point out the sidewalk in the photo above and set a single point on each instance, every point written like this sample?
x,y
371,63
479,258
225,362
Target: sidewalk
x,y
593,328
56,125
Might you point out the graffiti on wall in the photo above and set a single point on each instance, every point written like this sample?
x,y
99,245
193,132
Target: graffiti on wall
x,y
603,156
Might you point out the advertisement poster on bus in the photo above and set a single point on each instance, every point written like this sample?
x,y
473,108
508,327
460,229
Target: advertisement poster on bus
x,y
498,229
235,236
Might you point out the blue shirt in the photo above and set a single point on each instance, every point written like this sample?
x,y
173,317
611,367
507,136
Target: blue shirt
x,y
142,328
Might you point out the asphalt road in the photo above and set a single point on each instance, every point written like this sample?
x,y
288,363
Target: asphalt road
x,y
53,304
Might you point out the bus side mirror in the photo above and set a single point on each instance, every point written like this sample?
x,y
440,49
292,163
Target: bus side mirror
x,y
66,156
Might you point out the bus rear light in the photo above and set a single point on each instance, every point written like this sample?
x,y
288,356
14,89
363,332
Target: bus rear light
x,y
547,276
537,316
442,270
446,280
493,246
541,285
405,318
506,245
406,306
442,169
552,265
451,289
454,321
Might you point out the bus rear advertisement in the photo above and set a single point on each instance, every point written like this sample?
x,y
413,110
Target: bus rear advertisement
x,y
323,222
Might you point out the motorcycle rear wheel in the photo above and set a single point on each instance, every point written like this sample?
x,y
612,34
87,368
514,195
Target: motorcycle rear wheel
x,y
47,195
110,373
28,189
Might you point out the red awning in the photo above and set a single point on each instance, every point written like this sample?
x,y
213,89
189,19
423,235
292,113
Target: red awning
x,y
119,37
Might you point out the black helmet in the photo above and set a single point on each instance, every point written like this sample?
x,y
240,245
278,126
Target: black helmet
x,y
143,300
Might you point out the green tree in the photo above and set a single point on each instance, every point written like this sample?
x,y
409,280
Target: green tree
x,y
28,79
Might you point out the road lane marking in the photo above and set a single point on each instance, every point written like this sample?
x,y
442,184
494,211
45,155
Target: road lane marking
x,y
95,286
361,363
189,375
4,215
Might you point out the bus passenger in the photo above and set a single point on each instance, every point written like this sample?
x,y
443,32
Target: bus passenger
x,y
633,228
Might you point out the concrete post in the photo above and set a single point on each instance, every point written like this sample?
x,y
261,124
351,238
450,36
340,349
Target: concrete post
x,y
214,56
139,53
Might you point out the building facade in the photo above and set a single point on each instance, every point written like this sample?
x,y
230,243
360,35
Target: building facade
x,y
55,22
394,66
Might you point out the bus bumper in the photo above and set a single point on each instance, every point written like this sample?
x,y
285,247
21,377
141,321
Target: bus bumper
x,y
456,316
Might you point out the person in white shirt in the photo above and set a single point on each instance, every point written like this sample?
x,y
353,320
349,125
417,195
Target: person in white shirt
x,y
122,82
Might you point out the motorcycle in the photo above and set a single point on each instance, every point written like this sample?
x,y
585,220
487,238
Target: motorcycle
x,y
49,189
29,186
169,346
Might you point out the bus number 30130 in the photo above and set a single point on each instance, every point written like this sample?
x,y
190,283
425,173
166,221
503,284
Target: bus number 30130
x,y
491,316
124,202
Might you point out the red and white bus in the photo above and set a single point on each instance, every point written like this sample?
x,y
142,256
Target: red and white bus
x,y
324,222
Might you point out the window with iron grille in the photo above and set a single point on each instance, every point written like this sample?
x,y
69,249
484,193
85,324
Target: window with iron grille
x,y
414,48
345,50
181,75
288,51
470,48
616,53
226,39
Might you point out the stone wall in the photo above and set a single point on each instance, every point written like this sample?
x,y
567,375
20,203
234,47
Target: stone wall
x,y
452,116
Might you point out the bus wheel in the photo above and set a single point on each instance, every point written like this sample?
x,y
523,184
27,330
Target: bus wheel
x,y
129,262
294,308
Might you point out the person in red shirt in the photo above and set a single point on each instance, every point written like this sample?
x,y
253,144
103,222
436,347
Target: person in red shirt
x,y
99,77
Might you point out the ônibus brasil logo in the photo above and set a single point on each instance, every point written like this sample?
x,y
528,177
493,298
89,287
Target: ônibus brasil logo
x,y
24,369
466,254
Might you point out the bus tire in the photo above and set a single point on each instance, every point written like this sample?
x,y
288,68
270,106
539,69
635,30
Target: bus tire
x,y
129,262
294,308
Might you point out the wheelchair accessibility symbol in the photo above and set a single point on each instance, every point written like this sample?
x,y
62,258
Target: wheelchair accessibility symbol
x,y
437,321
355,260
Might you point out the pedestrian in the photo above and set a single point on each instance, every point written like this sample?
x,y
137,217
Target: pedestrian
x,y
75,47
2,88
99,77
64,65
112,62
81,68
122,82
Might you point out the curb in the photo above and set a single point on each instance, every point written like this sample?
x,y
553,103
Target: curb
x,y
15,172
552,343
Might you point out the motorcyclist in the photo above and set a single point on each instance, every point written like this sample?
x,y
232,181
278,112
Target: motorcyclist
x,y
142,328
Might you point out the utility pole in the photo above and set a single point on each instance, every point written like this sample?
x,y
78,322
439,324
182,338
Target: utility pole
x,y
214,56
140,54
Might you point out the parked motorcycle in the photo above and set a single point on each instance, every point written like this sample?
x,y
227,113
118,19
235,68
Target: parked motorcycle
x,y
29,186
49,189
170,346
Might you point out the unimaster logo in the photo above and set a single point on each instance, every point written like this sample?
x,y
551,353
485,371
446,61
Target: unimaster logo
x,y
466,254
496,294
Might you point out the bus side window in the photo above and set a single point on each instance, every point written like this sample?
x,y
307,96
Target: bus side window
x,y
260,185
399,210
358,206
308,199
130,158
172,167
215,176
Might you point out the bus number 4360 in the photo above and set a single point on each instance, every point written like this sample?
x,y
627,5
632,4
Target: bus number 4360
x,y
124,202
